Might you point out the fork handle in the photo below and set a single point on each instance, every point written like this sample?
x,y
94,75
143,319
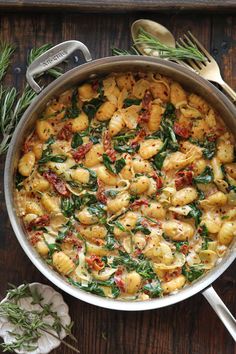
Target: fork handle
x,y
228,90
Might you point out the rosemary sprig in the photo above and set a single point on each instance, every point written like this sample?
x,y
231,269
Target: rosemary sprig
x,y
31,324
12,104
117,51
36,52
6,50
11,110
178,53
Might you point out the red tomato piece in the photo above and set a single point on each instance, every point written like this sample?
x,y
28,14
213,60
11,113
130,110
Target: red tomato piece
x,y
82,151
182,131
57,183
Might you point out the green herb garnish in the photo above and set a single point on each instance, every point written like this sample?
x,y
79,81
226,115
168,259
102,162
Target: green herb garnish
x,y
31,324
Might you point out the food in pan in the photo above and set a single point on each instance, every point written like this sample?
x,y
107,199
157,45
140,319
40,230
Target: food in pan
x,y
127,186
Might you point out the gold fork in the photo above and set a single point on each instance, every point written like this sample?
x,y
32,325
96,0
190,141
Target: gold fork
x,y
209,69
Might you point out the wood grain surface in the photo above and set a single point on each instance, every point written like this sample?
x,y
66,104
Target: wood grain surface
x,y
119,5
190,327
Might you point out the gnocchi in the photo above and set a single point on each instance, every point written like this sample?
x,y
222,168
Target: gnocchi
x,y
126,184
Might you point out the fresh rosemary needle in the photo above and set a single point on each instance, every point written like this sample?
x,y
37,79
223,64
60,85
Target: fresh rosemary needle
x,y
6,50
31,324
117,51
179,53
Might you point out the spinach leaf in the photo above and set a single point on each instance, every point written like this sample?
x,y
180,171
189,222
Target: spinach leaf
x,y
195,213
91,107
153,289
76,141
167,123
145,269
67,207
53,247
111,283
204,233
91,287
119,225
169,112
88,199
131,101
143,229
64,231
124,138
48,156
107,163
110,242
193,272
159,159
119,164
73,111
19,181
126,148
98,211
205,177
209,147
125,260
112,193
142,266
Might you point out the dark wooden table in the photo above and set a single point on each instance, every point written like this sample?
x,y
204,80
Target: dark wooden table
x,y
190,327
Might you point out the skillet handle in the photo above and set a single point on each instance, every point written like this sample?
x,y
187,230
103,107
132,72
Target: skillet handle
x,y
53,57
221,310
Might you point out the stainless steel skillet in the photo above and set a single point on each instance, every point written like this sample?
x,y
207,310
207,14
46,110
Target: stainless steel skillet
x,y
73,77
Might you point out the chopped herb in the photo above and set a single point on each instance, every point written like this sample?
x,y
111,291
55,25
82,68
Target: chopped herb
x,y
192,273
124,138
205,177
76,141
153,289
131,101
53,247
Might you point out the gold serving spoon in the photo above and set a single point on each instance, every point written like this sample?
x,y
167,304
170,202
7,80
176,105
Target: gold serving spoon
x,y
155,29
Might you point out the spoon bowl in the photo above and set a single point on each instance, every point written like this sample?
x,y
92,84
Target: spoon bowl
x,y
155,29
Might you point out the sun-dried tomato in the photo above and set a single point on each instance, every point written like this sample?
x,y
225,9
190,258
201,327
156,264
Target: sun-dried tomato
x,y
144,116
107,145
101,192
35,237
65,133
120,283
182,131
184,178
158,180
138,203
43,220
139,137
147,99
80,153
95,262
57,183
